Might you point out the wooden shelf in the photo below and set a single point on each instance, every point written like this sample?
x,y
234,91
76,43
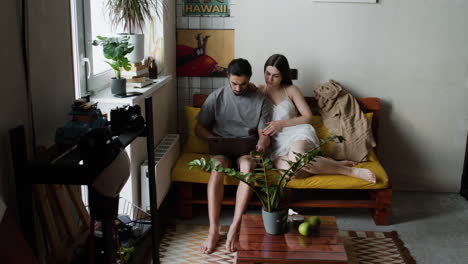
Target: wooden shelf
x,y
56,166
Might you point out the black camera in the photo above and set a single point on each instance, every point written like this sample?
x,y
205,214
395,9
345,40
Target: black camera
x,y
126,118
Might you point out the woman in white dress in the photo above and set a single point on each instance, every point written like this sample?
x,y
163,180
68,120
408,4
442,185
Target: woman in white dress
x,y
290,127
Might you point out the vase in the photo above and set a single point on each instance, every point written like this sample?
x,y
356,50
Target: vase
x,y
138,42
275,222
118,86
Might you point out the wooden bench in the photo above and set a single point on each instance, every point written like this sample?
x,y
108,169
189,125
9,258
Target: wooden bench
x,y
377,200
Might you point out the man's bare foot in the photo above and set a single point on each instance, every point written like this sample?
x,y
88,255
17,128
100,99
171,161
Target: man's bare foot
x,y
363,174
208,246
347,163
232,239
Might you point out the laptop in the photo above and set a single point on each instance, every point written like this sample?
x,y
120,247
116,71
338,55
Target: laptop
x,y
232,147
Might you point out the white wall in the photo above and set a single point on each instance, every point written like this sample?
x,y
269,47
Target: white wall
x,y
13,110
413,54
51,66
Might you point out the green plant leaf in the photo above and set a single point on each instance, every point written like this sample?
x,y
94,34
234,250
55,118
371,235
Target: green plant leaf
x,y
252,180
115,49
203,162
270,191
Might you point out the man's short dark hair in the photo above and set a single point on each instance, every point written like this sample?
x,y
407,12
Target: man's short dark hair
x,y
240,67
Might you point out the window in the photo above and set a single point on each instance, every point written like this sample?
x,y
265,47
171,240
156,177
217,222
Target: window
x,y
90,19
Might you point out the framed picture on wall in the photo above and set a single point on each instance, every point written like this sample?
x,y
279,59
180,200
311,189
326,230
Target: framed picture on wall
x,y
348,1
204,52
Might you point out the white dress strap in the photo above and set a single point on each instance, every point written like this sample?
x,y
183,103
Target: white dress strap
x,y
286,92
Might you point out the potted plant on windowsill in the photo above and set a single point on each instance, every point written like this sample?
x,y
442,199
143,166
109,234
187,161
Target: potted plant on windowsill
x,y
116,49
269,187
132,16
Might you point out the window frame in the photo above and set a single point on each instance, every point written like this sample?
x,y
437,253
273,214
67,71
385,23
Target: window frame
x,y
87,82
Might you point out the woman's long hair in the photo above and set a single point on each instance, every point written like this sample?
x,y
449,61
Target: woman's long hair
x,y
281,63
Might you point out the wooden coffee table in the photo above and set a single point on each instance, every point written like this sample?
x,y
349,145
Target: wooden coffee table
x,y
257,246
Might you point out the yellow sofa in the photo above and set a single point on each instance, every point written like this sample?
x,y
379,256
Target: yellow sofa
x,y
379,194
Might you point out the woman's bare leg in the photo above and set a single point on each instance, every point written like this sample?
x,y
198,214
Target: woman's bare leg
x,y
323,165
300,146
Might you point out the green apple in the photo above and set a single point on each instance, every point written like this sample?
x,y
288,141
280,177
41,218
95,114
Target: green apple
x,y
314,222
304,229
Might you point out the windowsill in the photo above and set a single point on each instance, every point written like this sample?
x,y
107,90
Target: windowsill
x,y
105,96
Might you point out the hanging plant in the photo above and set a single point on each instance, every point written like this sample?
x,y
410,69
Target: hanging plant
x,y
131,14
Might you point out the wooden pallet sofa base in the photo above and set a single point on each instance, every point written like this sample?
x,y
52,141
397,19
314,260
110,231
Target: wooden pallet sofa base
x,y
379,202
378,199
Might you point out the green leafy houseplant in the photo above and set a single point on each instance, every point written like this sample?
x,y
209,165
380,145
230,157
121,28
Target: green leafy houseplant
x,y
268,188
115,49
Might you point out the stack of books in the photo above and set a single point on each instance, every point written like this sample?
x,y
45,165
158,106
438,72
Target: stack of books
x,y
137,76
138,70
139,82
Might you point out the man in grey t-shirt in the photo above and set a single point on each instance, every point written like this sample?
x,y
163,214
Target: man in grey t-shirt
x,y
235,110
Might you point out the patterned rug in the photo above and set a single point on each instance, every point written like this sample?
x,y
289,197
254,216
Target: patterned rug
x,y
181,245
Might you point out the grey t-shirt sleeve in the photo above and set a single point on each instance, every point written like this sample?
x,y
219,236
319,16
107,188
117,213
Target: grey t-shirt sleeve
x,y
265,114
206,116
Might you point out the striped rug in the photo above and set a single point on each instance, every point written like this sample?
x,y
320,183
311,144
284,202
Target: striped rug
x,y
181,244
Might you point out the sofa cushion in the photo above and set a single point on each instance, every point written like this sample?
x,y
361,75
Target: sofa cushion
x,y
345,182
194,143
182,173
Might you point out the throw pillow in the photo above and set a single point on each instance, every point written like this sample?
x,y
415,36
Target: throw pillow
x,y
194,143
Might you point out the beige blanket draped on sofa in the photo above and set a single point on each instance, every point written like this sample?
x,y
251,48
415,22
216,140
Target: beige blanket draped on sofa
x,y
342,116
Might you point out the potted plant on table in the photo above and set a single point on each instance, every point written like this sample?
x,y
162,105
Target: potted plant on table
x,y
132,15
116,49
269,187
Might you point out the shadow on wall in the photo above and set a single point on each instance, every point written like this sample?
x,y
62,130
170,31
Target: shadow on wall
x,y
397,153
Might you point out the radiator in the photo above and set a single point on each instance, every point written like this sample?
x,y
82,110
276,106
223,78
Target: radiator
x,y
165,156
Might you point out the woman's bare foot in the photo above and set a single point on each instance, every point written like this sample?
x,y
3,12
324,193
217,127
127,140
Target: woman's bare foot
x,y
232,239
347,163
208,246
363,174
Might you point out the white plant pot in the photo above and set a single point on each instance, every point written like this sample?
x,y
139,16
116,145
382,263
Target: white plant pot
x,y
138,42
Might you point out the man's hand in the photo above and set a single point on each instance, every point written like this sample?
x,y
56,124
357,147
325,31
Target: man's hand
x,y
272,128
